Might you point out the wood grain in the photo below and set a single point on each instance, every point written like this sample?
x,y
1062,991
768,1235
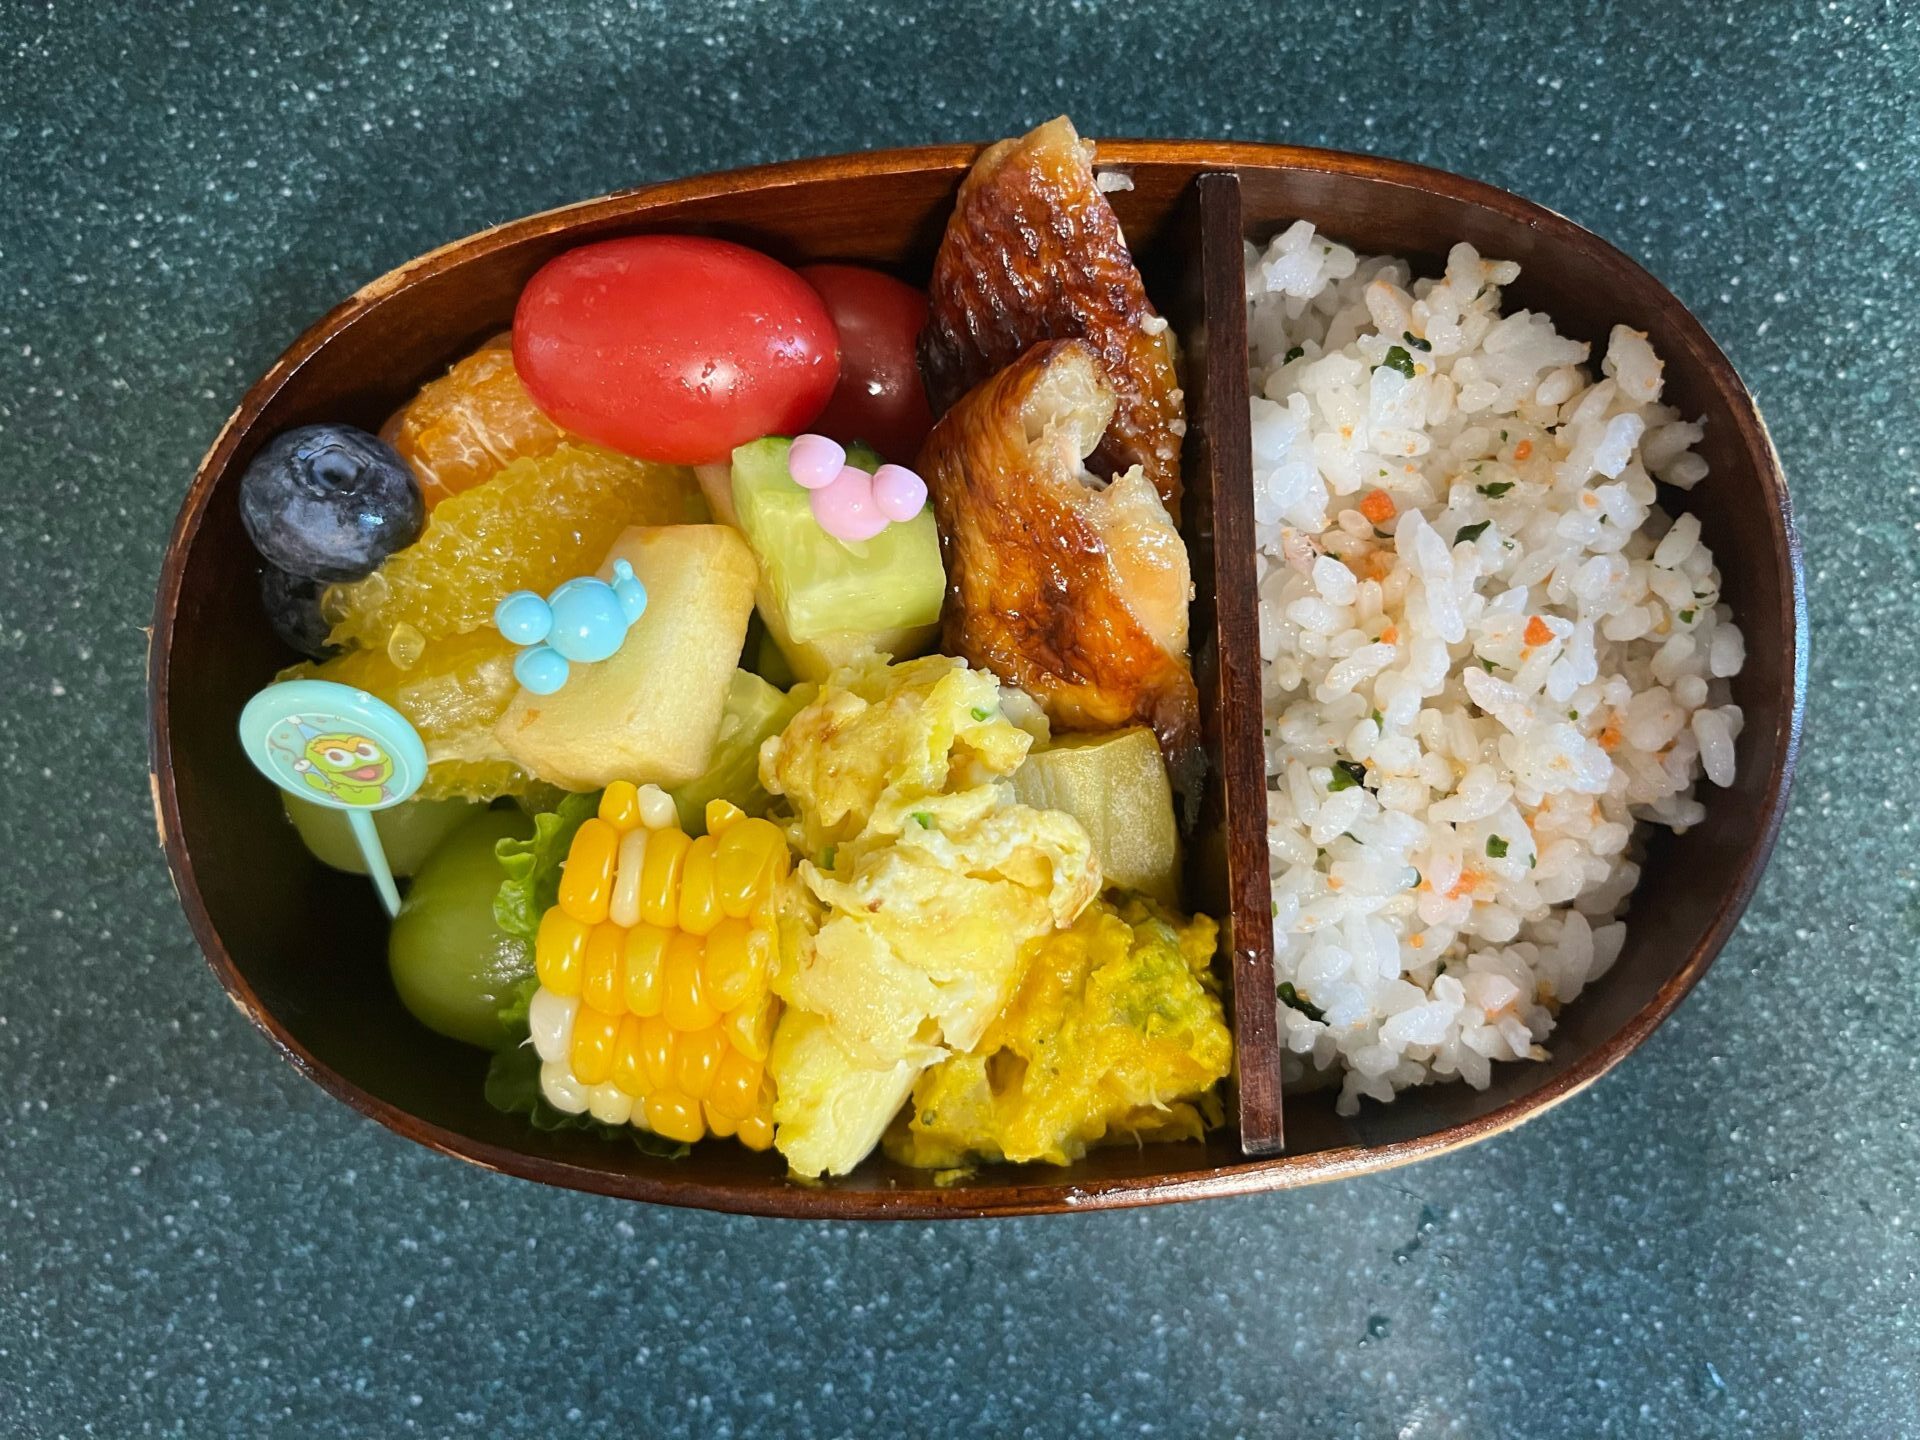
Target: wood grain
x,y
301,950
1227,862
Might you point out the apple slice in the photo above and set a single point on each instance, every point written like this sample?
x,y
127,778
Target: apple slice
x,y
651,712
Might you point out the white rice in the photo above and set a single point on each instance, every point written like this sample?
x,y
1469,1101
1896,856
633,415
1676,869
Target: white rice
x,y
1437,915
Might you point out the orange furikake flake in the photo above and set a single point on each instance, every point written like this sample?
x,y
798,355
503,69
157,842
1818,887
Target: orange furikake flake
x,y
1390,635
1523,450
1538,631
1378,507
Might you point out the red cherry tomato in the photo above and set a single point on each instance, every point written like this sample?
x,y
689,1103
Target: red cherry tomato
x,y
880,398
674,348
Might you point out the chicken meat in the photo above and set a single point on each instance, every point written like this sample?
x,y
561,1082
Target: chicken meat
x,y
1034,252
1068,586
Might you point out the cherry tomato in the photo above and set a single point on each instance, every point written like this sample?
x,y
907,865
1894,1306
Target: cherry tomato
x,y
674,348
880,398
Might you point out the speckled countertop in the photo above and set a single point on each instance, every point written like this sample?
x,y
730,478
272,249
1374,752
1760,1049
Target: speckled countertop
x,y
1721,1239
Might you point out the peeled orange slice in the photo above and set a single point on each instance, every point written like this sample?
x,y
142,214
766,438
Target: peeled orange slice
x,y
465,427
541,520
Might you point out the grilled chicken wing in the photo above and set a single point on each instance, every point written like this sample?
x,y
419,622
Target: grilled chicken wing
x,y
1072,589
1033,252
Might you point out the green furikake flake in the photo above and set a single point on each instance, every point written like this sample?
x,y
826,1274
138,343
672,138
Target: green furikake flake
x,y
1496,847
1346,775
924,820
979,713
1496,489
1397,359
1415,341
1486,664
1573,714
826,857
1686,617
1379,719
1468,533
1292,355
1290,998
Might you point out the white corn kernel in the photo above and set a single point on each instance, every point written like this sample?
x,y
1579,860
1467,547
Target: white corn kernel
x,y
609,1104
550,1022
563,1092
656,808
624,908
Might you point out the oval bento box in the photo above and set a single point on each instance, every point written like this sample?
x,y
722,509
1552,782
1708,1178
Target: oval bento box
x,y
300,949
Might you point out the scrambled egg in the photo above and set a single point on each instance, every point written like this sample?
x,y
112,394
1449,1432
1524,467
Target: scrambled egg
x,y
1115,1032
922,880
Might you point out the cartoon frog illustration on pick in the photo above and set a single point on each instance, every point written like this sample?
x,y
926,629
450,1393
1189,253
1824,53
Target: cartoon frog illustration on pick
x,y
351,768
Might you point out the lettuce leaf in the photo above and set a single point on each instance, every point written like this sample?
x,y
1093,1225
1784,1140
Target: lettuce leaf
x,y
513,1088
513,1014
532,865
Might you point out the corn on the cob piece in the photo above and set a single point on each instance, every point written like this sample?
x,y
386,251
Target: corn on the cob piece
x,y
653,1007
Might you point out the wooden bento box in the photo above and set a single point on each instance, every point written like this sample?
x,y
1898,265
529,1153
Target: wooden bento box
x,y
300,948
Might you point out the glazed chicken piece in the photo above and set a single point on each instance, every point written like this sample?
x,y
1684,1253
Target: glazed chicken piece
x,y
1074,589
1033,252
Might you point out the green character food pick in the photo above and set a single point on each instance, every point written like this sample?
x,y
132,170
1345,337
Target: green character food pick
x,y
338,747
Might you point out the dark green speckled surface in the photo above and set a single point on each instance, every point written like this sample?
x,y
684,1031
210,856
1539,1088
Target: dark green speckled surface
x,y
1719,1240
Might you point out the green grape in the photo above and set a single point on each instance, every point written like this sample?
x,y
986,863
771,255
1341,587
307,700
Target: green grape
x,y
452,966
408,833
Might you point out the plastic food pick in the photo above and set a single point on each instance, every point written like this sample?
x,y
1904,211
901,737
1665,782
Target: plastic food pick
x,y
342,748
584,621
847,502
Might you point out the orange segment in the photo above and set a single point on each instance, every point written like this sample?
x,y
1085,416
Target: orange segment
x,y
541,520
452,694
462,428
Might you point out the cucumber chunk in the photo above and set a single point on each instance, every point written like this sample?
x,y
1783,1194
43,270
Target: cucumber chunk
x,y
1116,786
824,600
754,711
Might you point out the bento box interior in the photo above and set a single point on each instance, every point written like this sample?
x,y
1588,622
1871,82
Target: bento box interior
x,y
309,943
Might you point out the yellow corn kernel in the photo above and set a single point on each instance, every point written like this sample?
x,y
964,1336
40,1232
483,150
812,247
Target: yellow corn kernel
x,y
717,1124
586,880
696,1058
591,1055
646,950
684,1000
750,1029
630,1058
603,986
620,805
735,1091
660,877
756,1131
624,907
721,814
656,1051
745,862
675,1116
699,905
735,966
558,952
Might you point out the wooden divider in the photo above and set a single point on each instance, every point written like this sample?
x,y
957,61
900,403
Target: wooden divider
x,y
1228,872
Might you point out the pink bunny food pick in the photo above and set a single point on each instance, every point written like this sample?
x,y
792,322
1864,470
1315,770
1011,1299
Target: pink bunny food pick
x,y
848,503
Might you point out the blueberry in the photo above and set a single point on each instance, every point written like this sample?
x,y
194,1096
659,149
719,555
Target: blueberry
x,y
329,502
293,608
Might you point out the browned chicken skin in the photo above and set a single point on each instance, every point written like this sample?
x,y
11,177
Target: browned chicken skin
x,y
1071,589
1033,252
